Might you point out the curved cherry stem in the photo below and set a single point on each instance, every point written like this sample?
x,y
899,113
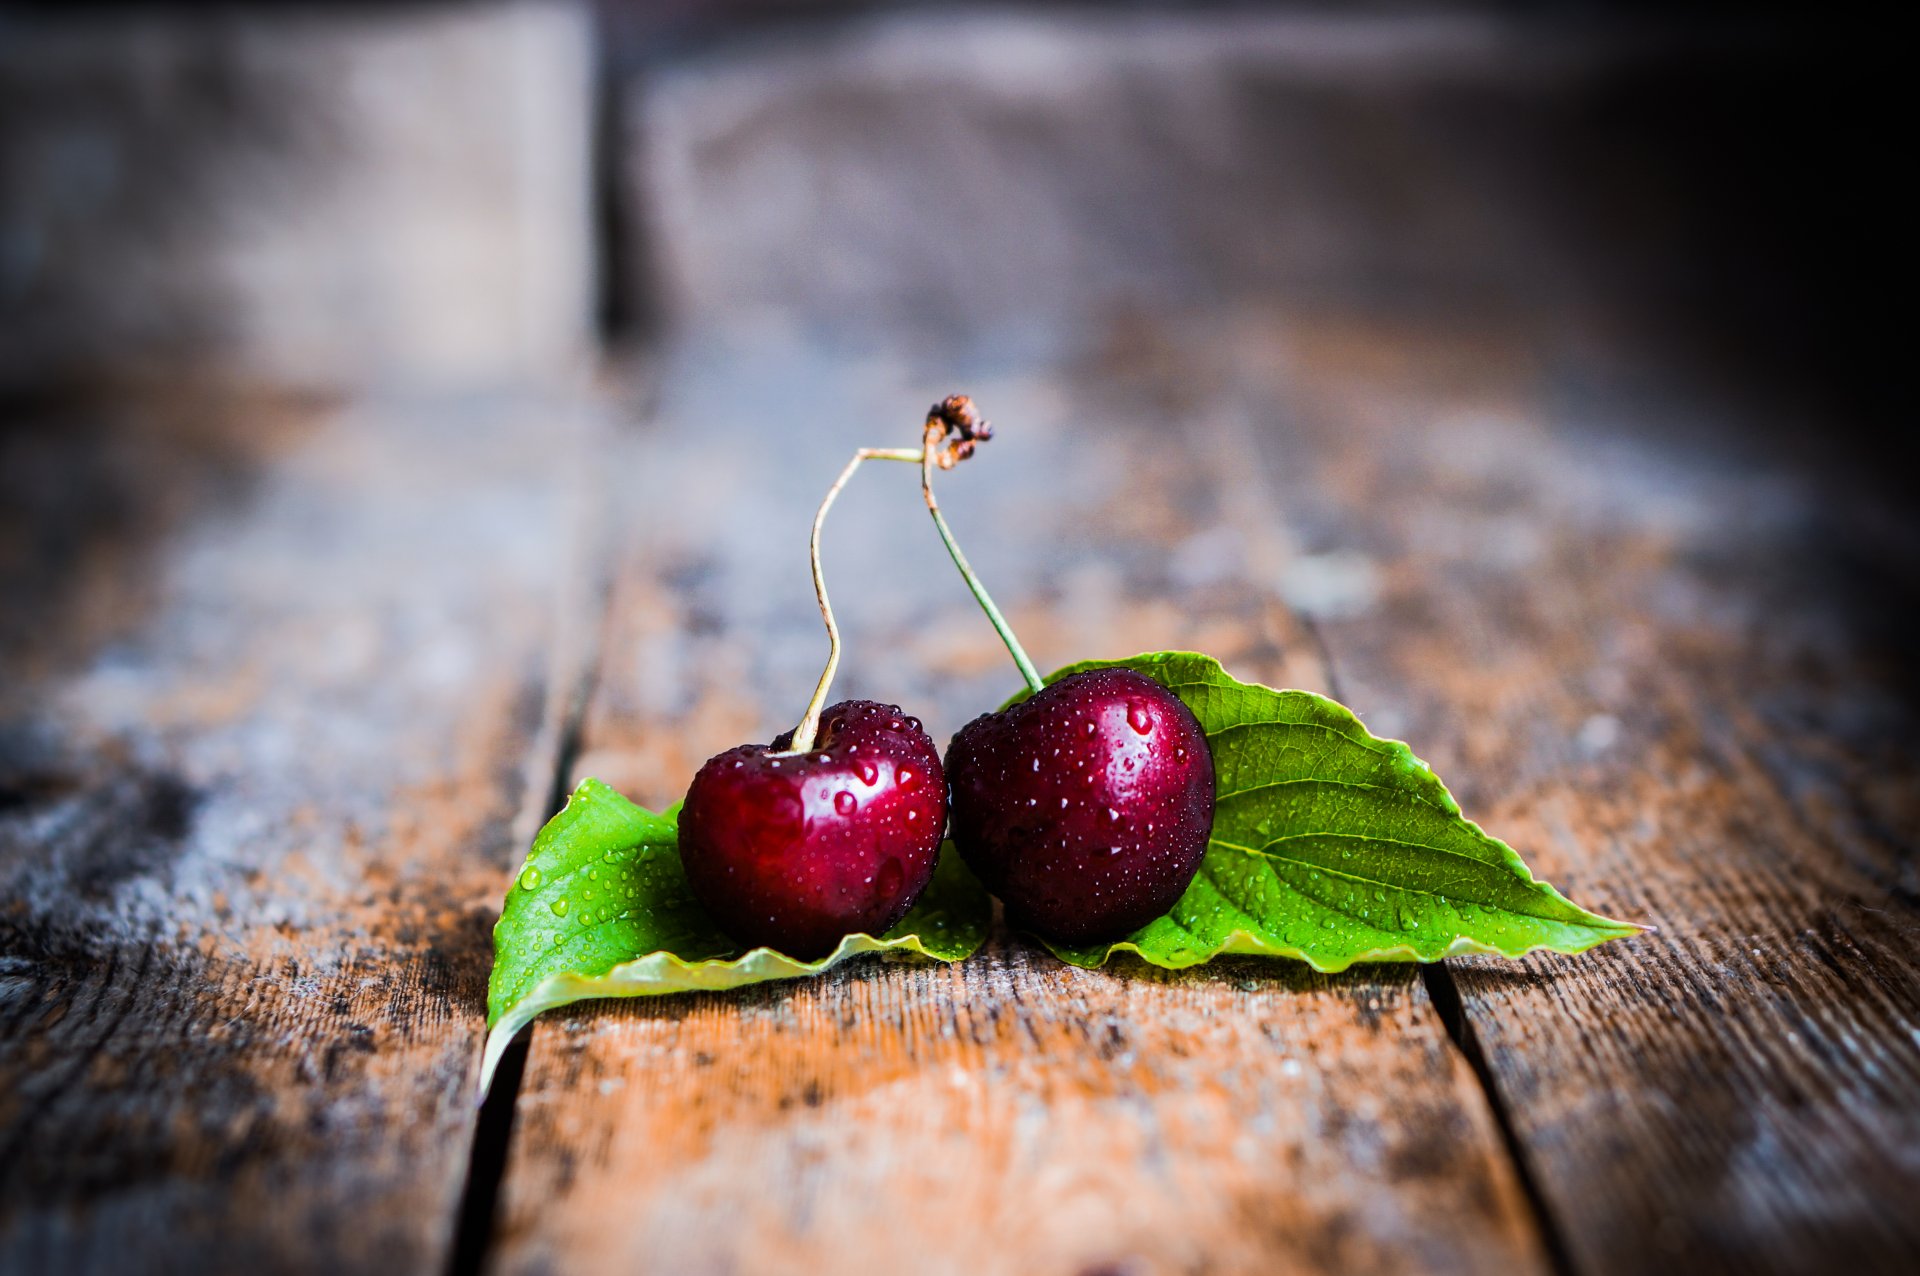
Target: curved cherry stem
x,y
931,453
803,735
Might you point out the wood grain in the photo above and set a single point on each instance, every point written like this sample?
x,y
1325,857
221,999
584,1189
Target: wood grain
x,y
1010,1114
1672,668
252,816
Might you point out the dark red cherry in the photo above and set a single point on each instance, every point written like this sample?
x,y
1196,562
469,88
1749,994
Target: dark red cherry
x,y
795,850
1085,808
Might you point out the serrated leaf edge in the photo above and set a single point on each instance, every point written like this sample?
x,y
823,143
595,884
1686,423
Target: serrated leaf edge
x,y
664,973
1245,943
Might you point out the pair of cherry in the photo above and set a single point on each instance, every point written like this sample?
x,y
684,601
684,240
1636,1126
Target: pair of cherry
x,y
1085,807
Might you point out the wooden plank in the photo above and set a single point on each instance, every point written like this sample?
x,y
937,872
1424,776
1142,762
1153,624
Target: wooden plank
x,y
437,227
255,799
1010,1114
1669,666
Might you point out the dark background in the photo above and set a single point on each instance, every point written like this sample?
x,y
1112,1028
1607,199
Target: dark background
x,y
1688,211
1718,176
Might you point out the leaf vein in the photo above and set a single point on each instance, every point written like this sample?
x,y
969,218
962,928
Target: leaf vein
x,y
1399,886
1421,798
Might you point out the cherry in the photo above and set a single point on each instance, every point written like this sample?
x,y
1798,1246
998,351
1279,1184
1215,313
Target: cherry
x,y
794,850
832,829
1086,807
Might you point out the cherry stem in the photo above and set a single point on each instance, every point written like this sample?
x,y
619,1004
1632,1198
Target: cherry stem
x,y
803,735
929,457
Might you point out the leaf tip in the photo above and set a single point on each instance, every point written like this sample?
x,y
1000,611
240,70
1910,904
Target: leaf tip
x,y
499,1037
1618,928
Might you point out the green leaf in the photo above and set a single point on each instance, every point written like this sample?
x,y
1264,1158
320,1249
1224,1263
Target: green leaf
x,y
602,909
1334,846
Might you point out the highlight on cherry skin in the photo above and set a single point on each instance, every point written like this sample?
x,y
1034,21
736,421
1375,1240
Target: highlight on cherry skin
x,y
1086,807
794,850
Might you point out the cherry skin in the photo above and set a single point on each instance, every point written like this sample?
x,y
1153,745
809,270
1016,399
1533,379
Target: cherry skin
x,y
1085,808
793,851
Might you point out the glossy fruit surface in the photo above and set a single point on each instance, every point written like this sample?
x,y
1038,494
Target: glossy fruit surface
x,y
795,850
1085,808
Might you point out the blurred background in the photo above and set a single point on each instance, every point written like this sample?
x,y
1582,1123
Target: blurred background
x,y
1681,219
1685,209
333,196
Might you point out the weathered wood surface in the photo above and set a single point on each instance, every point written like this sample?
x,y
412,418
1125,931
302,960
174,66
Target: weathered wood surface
x,y
1670,664
284,678
1628,647
1011,1114
1672,667
334,195
285,686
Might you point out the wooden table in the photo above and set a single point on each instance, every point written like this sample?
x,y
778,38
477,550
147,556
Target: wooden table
x,y
290,685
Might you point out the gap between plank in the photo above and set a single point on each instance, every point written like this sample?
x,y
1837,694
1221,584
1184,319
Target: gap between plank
x,y
1444,993
487,1164
1253,497
1319,641
493,1125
